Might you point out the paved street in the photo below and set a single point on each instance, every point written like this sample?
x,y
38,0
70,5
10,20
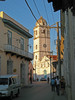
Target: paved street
x,y
39,91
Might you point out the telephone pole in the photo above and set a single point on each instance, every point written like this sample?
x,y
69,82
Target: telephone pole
x,y
58,45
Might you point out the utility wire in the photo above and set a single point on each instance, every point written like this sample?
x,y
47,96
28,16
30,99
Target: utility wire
x,y
52,13
36,7
46,11
54,28
31,11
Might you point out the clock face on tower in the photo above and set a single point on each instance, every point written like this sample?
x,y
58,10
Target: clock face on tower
x,y
44,45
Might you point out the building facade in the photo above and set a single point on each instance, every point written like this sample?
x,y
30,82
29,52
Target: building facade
x,y
68,17
14,55
69,53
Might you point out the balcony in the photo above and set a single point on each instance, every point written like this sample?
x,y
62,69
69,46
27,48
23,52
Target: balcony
x,y
17,51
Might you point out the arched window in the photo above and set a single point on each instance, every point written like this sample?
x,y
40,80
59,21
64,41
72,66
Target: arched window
x,y
36,56
36,32
36,46
43,23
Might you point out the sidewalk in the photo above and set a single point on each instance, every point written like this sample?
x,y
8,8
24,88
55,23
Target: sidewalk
x,y
60,97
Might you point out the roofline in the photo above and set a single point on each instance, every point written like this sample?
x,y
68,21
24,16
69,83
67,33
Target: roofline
x,y
8,22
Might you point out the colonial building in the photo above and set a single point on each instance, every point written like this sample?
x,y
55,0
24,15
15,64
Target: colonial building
x,y
41,48
14,55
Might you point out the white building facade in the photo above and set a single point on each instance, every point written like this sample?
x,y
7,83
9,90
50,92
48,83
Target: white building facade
x,y
69,53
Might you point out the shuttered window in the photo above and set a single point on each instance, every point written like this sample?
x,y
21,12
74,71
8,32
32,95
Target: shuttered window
x,y
22,43
9,67
9,37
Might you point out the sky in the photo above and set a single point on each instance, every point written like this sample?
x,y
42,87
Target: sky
x,y
19,11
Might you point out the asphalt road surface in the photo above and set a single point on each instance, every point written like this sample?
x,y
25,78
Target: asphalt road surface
x,y
39,91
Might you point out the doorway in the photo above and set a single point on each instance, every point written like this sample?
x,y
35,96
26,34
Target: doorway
x,y
22,73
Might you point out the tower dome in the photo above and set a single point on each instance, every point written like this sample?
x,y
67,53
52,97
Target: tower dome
x,y
41,21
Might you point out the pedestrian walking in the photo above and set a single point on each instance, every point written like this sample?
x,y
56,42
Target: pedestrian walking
x,y
30,79
48,80
53,84
57,81
62,84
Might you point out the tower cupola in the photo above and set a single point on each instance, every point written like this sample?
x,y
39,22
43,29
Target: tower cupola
x,y
41,21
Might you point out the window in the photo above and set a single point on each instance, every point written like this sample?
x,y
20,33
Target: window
x,y
36,56
43,31
9,67
36,46
43,23
9,37
35,32
3,81
22,44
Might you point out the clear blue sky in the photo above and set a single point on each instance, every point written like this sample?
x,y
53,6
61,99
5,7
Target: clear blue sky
x,y
18,10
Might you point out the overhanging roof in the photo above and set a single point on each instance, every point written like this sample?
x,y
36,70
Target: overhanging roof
x,y
8,22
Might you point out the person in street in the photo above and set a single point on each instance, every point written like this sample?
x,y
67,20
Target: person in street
x,y
48,80
62,84
37,79
53,84
57,82
30,79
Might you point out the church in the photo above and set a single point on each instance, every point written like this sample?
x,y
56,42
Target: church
x,y
41,48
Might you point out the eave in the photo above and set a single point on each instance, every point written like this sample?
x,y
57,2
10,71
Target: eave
x,y
13,25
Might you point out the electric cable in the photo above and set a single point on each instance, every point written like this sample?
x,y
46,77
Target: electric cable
x,y
36,7
31,11
52,13
46,10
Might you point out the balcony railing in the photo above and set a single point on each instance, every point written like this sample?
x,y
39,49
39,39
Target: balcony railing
x,y
17,51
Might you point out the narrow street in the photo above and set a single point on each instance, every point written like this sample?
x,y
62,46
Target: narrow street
x,y
39,91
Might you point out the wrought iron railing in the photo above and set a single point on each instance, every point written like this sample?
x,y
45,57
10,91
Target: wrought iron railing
x,y
18,51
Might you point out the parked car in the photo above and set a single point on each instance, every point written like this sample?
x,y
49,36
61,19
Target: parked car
x,y
43,79
9,86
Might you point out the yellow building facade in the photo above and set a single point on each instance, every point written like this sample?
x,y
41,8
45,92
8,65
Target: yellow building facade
x,y
14,55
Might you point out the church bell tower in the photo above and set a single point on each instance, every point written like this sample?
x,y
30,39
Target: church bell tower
x,y
41,41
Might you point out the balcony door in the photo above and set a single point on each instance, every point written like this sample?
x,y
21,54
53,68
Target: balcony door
x,y
9,67
9,37
22,44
